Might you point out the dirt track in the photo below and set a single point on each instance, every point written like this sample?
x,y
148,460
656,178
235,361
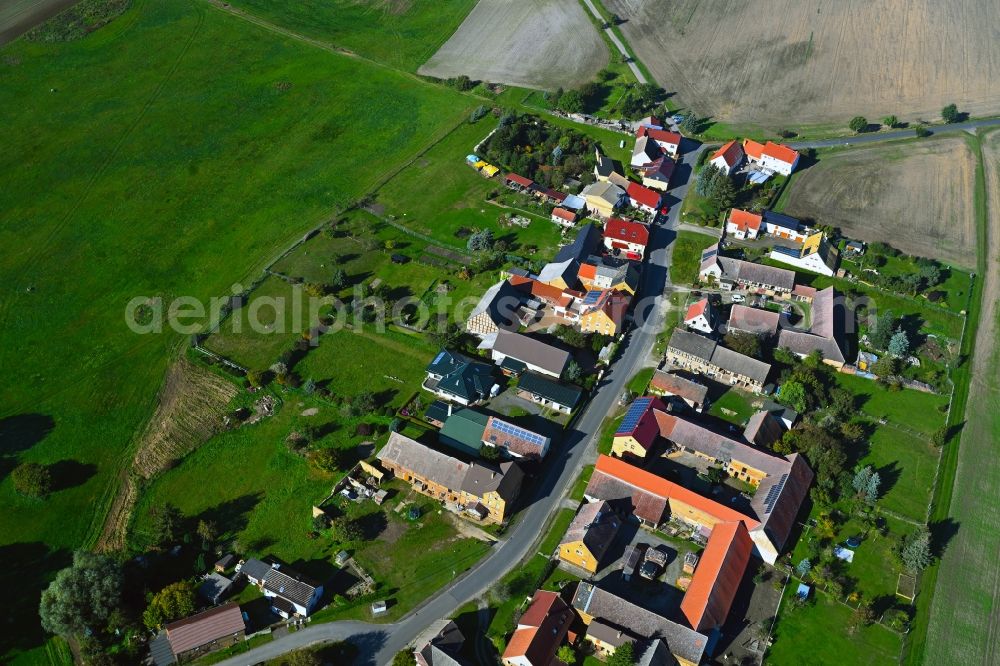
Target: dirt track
x,y
532,43
965,614
785,62
918,197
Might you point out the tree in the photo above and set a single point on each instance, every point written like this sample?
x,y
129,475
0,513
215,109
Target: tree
x,y
571,101
691,124
624,655
171,603
793,394
858,124
860,481
886,366
915,551
405,657
329,459
890,121
864,616
745,343
573,372
165,523
929,274
82,596
487,452
866,483
305,657
480,240
871,488
940,436
338,279
448,336
207,531
899,344
344,529
922,131
803,568
950,114
881,333
32,479
566,654
255,378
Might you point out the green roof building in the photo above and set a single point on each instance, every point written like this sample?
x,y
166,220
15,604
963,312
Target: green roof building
x,y
463,431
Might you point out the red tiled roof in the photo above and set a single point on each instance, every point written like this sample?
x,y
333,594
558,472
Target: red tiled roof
x,y
744,219
780,152
203,628
633,232
696,309
520,180
718,576
659,135
728,152
805,291
564,214
643,195
587,271
546,628
753,149
546,292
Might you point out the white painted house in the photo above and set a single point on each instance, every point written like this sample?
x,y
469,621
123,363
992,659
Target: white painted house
x,y
669,142
728,158
700,316
743,224
772,156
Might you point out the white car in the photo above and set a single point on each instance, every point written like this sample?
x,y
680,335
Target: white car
x,y
739,298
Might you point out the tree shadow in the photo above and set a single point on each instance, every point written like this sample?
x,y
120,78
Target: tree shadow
x,y
372,525
888,477
232,516
942,532
27,570
70,473
21,432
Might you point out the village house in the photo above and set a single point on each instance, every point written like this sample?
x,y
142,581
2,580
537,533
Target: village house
x,y
603,312
458,378
626,236
772,156
743,224
445,649
605,166
593,603
645,151
669,142
548,393
728,158
657,174
289,592
205,632
564,218
589,536
785,227
603,198
562,271
669,384
643,198
698,354
530,354
462,430
763,323
717,578
515,441
597,272
827,334
518,183
496,309
484,492
540,630
815,255
732,273
701,316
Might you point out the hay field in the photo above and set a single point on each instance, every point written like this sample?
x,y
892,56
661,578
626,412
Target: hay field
x,y
918,197
964,623
532,43
777,63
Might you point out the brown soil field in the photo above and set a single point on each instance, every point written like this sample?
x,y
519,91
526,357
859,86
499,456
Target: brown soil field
x,y
778,63
917,197
19,16
964,623
541,44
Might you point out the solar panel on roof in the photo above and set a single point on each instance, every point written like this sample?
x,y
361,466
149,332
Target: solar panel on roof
x,y
772,494
591,297
518,432
708,254
634,414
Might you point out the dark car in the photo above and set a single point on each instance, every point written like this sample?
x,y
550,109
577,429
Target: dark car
x,y
649,570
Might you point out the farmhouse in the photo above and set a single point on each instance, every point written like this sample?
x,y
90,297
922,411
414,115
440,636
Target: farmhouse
x,y
205,632
657,174
514,440
701,316
728,157
458,378
603,198
738,274
563,217
784,226
643,198
743,224
518,183
442,650
554,395
755,321
485,493
539,632
718,576
626,236
699,354
670,384
497,309
593,603
532,354
815,255
771,156
605,166
589,536
603,311
827,335
669,142
462,430
597,272
289,592
645,151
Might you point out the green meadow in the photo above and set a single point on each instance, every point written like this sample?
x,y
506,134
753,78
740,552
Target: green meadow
x,y
176,151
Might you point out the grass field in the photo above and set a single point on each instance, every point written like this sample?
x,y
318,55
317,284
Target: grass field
x,y
543,44
396,32
906,465
733,406
915,196
816,63
171,153
687,256
913,409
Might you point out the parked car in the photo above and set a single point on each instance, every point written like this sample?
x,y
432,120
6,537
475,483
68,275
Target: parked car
x,y
738,298
649,570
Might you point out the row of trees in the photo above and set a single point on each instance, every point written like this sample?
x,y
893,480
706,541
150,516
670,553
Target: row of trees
x,y
950,114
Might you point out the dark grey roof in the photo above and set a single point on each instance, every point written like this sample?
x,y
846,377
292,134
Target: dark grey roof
x,y
763,429
778,499
653,653
609,634
746,271
437,411
499,302
423,461
562,394
443,649
805,343
255,569
782,220
532,351
596,526
290,585
226,561
691,343
461,376
709,351
606,166
214,587
697,437
682,641
753,320
586,240
481,479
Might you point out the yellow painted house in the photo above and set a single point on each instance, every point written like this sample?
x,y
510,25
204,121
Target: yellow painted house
x,y
589,536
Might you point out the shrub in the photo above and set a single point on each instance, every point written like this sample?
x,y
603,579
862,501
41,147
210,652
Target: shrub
x,y
858,124
32,479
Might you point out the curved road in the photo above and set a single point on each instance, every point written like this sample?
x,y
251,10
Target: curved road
x,y
874,137
378,643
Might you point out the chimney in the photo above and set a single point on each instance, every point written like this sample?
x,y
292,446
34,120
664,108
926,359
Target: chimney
x,y
449,409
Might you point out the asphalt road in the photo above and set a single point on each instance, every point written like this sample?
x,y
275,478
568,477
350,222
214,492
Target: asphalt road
x,y
379,643
617,42
895,134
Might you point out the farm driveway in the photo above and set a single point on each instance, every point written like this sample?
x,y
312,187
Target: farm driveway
x,y
618,43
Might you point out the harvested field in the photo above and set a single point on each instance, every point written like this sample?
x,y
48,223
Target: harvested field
x,y
964,622
536,44
918,197
780,62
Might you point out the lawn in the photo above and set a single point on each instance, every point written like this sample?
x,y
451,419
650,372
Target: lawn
x,y
817,634
400,34
580,486
640,381
687,256
557,528
906,465
173,152
915,410
733,406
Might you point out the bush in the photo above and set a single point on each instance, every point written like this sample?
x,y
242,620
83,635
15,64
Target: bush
x,y
950,114
32,479
922,131
858,124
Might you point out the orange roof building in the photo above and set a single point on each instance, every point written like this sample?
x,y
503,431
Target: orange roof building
x,y
728,157
718,576
776,157
743,223
540,631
